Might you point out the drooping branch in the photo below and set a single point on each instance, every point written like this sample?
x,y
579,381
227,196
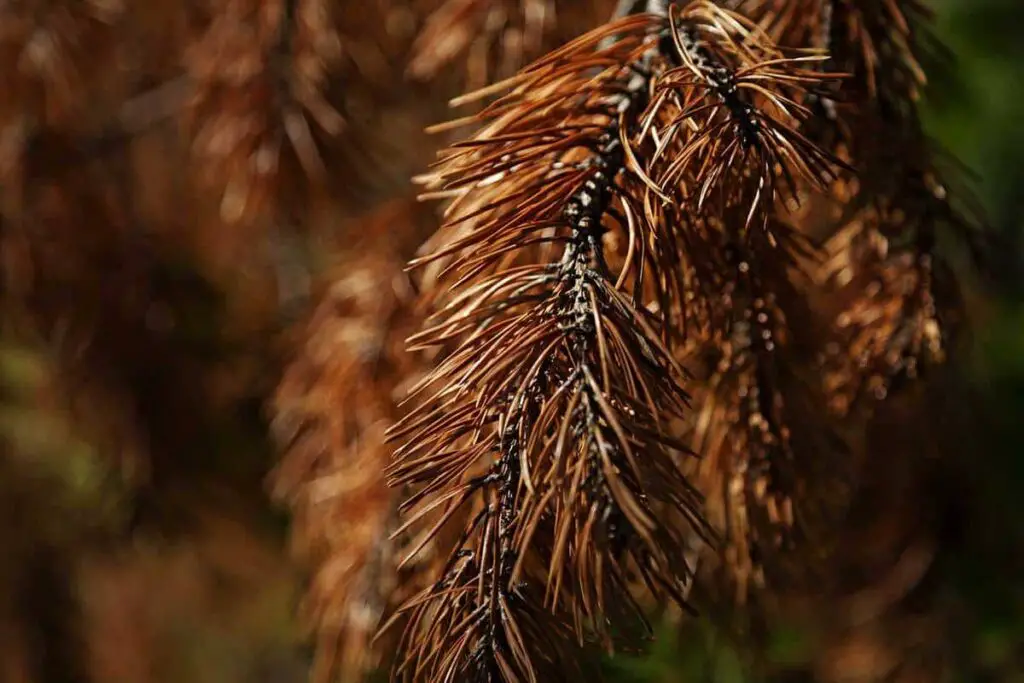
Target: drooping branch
x,y
330,413
554,408
728,127
261,72
553,404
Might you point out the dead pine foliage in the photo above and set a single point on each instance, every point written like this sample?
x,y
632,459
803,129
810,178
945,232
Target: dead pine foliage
x,y
334,403
556,410
638,348
631,209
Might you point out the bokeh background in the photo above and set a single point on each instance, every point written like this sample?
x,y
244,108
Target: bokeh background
x,y
204,590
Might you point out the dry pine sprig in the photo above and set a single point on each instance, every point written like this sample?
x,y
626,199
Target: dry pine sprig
x,y
763,440
554,412
330,412
261,71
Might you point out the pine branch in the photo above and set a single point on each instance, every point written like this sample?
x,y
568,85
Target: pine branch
x,y
551,413
260,72
739,171
330,411
548,436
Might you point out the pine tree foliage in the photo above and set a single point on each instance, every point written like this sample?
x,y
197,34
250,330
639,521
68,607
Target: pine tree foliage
x,y
260,70
332,408
670,284
676,138
690,141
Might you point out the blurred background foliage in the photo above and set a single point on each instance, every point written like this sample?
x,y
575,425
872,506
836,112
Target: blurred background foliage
x,y
210,598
